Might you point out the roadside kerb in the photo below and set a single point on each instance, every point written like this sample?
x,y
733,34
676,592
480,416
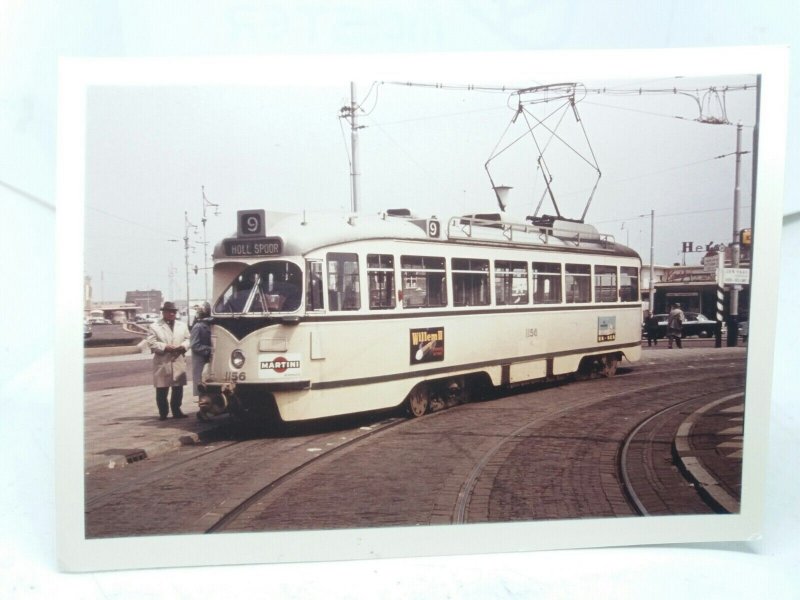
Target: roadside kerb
x,y
706,483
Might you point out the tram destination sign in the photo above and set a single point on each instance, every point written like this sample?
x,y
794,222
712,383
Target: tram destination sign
x,y
267,246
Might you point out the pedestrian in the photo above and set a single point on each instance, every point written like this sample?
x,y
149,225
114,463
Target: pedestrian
x,y
201,351
675,324
651,328
169,340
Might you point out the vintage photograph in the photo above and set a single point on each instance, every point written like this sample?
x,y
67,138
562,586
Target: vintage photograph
x,y
418,303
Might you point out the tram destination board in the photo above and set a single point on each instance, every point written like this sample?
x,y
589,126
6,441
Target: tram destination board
x,y
269,246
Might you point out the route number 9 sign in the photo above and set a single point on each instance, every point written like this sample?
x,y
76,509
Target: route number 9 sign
x,y
251,222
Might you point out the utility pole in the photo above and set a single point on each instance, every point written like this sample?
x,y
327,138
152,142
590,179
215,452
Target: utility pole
x,y
171,272
206,204
187,225
733,312
349,112
652,259
354,144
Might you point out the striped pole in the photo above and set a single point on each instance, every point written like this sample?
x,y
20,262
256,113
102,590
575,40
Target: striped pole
x,y
720,297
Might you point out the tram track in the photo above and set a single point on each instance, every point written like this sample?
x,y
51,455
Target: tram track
x,y
635,436
222,522
255,484
465,495
145,488
156,474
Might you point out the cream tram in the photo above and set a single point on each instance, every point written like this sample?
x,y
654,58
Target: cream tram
x,y
321,316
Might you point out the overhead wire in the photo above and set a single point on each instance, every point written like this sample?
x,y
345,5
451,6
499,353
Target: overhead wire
x,y
28,196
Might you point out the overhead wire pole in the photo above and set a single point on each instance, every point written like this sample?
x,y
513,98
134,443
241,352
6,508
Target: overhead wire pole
x,y
187,225
733,312
206,204
652,259
354,174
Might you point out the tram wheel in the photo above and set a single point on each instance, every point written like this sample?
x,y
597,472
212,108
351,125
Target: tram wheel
x,y
418,401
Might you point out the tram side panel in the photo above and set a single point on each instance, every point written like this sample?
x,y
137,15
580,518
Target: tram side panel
x,y
354,366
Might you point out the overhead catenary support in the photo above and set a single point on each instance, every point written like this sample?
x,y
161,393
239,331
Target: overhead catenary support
x,y
206,204
354,174
733,312
652,259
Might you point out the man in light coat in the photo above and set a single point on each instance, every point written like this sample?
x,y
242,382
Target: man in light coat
x,y
169,340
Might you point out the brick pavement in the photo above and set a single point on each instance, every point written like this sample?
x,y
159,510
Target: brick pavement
x,y
121,425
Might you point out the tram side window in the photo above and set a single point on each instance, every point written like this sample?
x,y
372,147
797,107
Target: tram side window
x,y
578,283
546,283
424,283
380,273
470,282
510,282
629,284
344,292
605,283
314,285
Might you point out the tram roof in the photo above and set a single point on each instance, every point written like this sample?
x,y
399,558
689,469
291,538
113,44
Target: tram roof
x,y
303,233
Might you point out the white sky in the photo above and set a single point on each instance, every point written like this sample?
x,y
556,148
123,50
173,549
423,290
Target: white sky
x,y
150,149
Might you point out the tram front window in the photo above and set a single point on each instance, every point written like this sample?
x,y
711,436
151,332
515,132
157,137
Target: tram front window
x,y
272,286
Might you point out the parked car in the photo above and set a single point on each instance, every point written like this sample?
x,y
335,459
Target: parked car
x,y
695,324
87,330
99,321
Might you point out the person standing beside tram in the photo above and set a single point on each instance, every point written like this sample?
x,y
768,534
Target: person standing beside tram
x,y
168,340
201,352
675,325
651,328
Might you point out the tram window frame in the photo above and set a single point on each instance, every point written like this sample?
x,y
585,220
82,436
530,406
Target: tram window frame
x,y
549,276
470,280
263,288
343,285
314,291
577,283
380,278
506,274
631,291
431,270
606,290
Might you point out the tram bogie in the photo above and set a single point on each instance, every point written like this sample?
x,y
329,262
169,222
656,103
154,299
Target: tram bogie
x,y
317,318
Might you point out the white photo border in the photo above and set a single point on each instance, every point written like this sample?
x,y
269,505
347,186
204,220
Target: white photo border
x,y
76,553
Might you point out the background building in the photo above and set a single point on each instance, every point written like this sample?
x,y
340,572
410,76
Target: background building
x,y
150,301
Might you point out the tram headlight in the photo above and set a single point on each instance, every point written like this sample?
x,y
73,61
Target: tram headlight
x,y
237,359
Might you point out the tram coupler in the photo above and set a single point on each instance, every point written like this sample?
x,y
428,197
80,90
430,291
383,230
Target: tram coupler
x,y
214,400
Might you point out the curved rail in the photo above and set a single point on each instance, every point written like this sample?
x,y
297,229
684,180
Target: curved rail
x,y
467,489
231,515
628,487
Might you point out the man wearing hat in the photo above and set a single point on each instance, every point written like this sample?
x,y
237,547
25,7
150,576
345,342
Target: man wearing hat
x,y
169,340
